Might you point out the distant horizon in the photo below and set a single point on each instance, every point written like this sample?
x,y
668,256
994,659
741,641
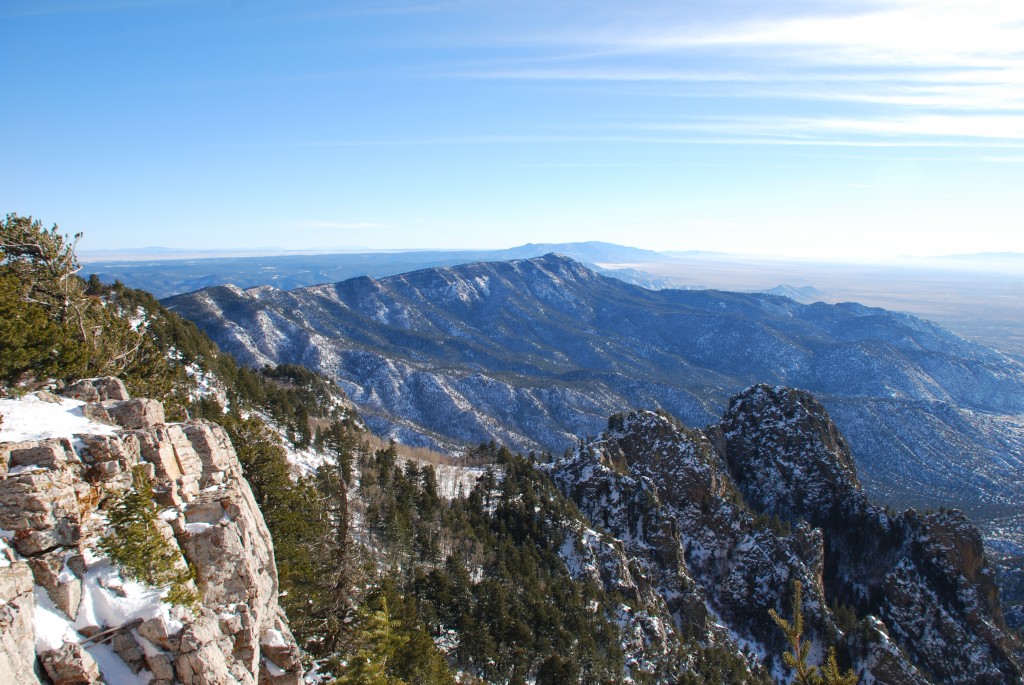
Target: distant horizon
x,y
165,253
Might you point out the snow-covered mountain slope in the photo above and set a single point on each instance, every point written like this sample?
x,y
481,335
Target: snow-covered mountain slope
x,y
533,353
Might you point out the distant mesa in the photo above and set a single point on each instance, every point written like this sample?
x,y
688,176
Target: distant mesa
x,y
805,294
593,252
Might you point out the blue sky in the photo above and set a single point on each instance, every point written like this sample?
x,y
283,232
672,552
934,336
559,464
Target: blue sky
x,y
818,129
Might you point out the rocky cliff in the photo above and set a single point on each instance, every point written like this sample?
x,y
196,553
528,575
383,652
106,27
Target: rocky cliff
x,y
68,615
721,521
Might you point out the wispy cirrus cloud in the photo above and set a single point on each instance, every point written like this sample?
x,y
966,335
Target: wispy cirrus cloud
x,y
758,132
1007,128
1003,159
947,70
893,32
985,90
340,225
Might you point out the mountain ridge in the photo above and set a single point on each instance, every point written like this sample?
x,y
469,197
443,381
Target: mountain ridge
x,y
167,276
534,352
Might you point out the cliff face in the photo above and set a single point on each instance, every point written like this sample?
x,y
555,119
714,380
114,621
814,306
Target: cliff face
x,y
720,522
66,612
924,575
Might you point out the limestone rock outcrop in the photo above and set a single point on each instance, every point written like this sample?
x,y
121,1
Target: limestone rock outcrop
x,y
17,606
53,494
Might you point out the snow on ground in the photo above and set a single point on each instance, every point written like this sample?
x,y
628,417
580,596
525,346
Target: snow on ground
x,y
102,600
306,461
452,481
1005,536
273,638
52,628
108,600
32,418
456,481
207,385
6,551
578,551
102,605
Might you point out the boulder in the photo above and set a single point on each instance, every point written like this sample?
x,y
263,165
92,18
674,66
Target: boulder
x,y
76,563
177,467
70,665
209,511
136,413
201,660
97,389
94,411
213,446
126,647
42,509
157,631
111,459
278,647
162,667
47,454
63,587
101,448
156,448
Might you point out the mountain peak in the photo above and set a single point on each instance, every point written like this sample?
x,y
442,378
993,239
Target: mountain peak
x,y
681,461
787,454
591,251
562,265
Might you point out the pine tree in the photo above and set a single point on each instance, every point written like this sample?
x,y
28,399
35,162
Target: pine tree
x,y
390,651
32,343
139,549
54,324
380,639
796,658
44,261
